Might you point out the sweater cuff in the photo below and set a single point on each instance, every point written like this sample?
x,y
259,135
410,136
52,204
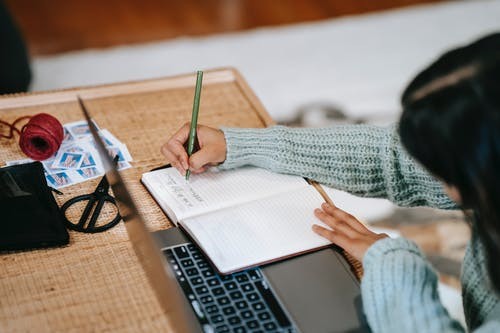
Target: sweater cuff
x,y
375,253
255,146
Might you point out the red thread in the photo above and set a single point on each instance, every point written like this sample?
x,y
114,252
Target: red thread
x,y
40,138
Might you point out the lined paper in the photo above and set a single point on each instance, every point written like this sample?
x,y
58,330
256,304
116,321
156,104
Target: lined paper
x,y
259,231
214,189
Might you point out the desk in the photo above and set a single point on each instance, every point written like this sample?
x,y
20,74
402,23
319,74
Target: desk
x,y
96,282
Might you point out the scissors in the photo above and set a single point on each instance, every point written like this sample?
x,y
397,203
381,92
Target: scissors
x,y
97,199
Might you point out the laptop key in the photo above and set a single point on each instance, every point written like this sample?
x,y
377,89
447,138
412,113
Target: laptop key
x,y
263,316
234,320
216,319
258,306
202,264
218,291
236,294
226,277
168,253
222,329
239,329
254,275
197,309
247,314
201,290
206,299
223,300
170,256
197,256
181,252
229,310
247,287
253,324
213,282
270,326
187,263
210,309
192,271
230,285
241,305
253,297
242,278
208,273
196,281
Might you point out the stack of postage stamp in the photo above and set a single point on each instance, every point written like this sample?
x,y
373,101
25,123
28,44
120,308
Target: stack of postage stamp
x,y
77,159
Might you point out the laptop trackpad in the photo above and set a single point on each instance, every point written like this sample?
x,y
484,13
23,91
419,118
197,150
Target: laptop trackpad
x,y
318,291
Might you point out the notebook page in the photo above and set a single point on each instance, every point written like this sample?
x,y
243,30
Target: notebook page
x,y
214,189
259,231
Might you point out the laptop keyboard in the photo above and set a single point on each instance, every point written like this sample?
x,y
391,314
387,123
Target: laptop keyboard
x,y
241,302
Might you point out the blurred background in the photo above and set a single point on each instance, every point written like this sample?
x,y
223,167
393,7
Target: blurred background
x,y
311,62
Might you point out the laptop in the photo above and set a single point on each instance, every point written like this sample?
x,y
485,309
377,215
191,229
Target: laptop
x,y
315,292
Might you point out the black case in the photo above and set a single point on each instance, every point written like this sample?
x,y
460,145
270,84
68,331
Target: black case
x,y
29,215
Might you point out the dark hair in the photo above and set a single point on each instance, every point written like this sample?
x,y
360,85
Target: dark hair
x,y
451,125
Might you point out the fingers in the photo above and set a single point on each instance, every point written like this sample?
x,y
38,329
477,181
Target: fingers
x,y
174,150
336,238
212,149
335,224
176,156
342,216
200,170
203,157
346,231
183,133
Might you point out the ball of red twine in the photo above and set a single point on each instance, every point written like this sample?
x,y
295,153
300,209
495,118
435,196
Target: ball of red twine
x,y
41,137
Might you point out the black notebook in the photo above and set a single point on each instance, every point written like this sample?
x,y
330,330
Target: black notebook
x,y
30,217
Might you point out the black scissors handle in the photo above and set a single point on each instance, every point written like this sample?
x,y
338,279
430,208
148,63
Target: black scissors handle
x,y
96,199
93,201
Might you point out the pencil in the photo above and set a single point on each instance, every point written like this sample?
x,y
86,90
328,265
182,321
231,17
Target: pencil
x,y
194,118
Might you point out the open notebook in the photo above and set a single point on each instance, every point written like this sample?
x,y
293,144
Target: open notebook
x,y
243,217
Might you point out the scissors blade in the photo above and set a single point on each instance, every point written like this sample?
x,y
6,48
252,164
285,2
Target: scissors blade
x,y
86,212
103,186
96,213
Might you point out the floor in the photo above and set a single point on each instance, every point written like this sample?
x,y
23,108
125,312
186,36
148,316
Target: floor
x,y
54,26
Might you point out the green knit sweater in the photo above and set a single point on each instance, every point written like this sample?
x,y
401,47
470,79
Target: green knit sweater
x,y
399,287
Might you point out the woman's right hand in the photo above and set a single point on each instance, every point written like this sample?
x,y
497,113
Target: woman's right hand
x,y
212,149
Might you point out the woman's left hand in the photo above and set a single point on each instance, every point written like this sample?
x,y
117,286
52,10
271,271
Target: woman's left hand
x,y
345,231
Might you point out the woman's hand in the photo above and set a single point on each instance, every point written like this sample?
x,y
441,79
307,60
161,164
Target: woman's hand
x,y
346,231
212,149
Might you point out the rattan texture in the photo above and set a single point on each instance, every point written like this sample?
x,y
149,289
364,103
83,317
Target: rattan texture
x,y
96,284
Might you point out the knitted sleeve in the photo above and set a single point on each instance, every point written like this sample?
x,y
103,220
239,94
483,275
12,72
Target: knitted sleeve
x,y
361,159
399,292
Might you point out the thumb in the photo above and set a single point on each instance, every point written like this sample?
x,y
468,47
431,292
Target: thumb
x,y
201,158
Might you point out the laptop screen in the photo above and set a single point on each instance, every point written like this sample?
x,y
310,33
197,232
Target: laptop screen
x,y
160,275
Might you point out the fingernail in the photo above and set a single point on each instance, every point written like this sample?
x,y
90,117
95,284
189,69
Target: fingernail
x,y
325,205
317,211
185,165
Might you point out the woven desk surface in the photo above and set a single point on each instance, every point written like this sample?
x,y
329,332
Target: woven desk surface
x,y
96,283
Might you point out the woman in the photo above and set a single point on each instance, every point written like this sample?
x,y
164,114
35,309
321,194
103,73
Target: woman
x,y
15,73
451,128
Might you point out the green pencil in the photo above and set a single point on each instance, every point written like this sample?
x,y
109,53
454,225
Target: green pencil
x,y
194,118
